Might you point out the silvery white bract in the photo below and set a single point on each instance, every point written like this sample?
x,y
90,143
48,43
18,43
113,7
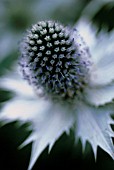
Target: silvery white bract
x,y
90,115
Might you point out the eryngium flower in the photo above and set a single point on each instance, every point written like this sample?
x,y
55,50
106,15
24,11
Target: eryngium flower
x,y
73,88
55,60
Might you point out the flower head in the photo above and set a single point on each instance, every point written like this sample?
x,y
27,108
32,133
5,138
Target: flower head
x,y
55,60
57,63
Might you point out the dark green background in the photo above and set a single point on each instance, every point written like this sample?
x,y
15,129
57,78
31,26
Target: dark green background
x,y
15,18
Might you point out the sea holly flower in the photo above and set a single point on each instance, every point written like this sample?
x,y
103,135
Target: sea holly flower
x,y
70,85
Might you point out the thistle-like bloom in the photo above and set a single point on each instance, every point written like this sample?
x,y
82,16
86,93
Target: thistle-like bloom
x,y
72,87
55,61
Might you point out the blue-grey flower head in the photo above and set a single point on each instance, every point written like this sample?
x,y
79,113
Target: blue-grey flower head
x,y
55,60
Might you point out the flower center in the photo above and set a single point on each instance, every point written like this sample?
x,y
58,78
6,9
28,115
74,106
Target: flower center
x,y
55,60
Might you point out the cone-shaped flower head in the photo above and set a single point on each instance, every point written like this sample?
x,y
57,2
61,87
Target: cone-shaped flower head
x,y
55,60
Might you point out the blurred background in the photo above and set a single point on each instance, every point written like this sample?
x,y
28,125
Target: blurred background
x,y
15,18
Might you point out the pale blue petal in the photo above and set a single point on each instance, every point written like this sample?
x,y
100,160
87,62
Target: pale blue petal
x,y
22,109
17,85
88,32
93,125
101,48
48,121
100,95
103,68
48,127
102,72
